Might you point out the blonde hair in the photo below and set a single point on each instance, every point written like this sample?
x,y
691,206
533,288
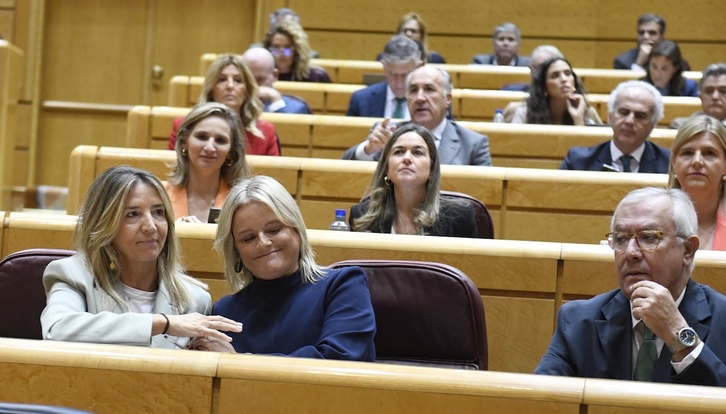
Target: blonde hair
x,y
268,191
252,107
99,220
237,167
694,126
296,34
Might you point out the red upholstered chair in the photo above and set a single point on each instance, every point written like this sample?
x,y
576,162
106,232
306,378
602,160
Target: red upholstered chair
x,y
22,297
426,314
484,225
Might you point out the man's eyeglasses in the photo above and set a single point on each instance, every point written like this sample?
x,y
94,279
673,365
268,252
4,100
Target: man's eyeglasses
x,y
281,51
646,239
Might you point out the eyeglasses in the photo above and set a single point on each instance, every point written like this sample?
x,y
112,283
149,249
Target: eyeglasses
x,y
281,51
646,239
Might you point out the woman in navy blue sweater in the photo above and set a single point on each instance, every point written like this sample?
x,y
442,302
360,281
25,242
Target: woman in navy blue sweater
x,y
287,304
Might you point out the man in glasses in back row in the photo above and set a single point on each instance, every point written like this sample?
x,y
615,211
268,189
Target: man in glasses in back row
x,y
660,325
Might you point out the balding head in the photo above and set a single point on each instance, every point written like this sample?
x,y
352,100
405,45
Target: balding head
x,y
261,64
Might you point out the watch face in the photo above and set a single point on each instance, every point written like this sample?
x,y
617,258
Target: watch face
x,y
687,336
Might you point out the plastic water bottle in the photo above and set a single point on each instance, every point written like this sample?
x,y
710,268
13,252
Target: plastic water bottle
x,y
339,224
498,116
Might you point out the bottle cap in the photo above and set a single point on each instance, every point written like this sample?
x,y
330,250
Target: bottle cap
x,y
498,111
339,213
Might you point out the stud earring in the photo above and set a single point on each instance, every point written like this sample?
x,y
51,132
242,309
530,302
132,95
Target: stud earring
x,y
184,152
112,266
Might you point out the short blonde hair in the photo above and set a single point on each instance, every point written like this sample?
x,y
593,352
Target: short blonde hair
x,y
268,191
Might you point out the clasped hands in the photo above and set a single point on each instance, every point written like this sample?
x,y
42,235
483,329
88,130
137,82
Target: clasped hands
x,y
207,331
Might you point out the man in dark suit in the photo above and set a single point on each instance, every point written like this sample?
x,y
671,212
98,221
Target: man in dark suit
x,y
429,97
262,65
712,92
388,99
634,108
506,39
660,325
651,29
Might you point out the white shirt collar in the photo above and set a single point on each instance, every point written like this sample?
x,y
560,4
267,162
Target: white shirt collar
x,y
438,132
637,155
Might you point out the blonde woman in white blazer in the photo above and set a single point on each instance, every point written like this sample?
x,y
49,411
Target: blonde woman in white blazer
x,y
126,285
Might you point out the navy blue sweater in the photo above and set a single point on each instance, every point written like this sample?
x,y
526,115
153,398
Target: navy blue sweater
x,y
331,319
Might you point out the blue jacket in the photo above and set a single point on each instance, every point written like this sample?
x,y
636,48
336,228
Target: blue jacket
x,y
654,160
370,101
594,339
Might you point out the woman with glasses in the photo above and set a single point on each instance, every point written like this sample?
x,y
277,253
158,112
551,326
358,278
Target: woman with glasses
x,y
230,82
412,26
126,285
556,97
698,167
288,304
288,43
664,70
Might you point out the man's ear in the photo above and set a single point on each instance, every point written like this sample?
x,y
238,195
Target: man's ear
x,y
690,247
276,74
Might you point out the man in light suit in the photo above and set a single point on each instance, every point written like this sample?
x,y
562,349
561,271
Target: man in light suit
x,y
400,56
505,40
429,97
660,325
634,108
262,65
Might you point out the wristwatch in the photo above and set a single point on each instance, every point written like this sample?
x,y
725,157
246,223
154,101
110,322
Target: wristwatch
x,y
685,338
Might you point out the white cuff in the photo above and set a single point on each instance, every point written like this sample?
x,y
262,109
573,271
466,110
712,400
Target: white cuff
x,y
688,360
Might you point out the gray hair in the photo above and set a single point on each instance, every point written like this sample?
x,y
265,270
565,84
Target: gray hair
x,y
282,13
685,219
714,69
507,27
548,50
401,49
444,74
657,114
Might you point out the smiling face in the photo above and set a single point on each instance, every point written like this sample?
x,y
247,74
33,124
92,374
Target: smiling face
x,y
505,47
409,162
208,145
632,119
427,98
667,264
230,88
700,164
661,71
560,80
267,247
142,234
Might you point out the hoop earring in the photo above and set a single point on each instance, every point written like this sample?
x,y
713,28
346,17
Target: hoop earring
x,y
184,152
238,266
386,180
228,163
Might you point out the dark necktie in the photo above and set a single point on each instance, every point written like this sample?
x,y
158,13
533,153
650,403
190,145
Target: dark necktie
x,y
647,356
398,111
625,160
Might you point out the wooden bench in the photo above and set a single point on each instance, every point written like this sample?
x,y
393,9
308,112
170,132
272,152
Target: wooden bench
x,y
601,81
193,381
526,204
326,136
466,104
522,283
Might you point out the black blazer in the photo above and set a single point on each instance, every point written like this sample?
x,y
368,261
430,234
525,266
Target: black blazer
x,y
654,160
455,220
